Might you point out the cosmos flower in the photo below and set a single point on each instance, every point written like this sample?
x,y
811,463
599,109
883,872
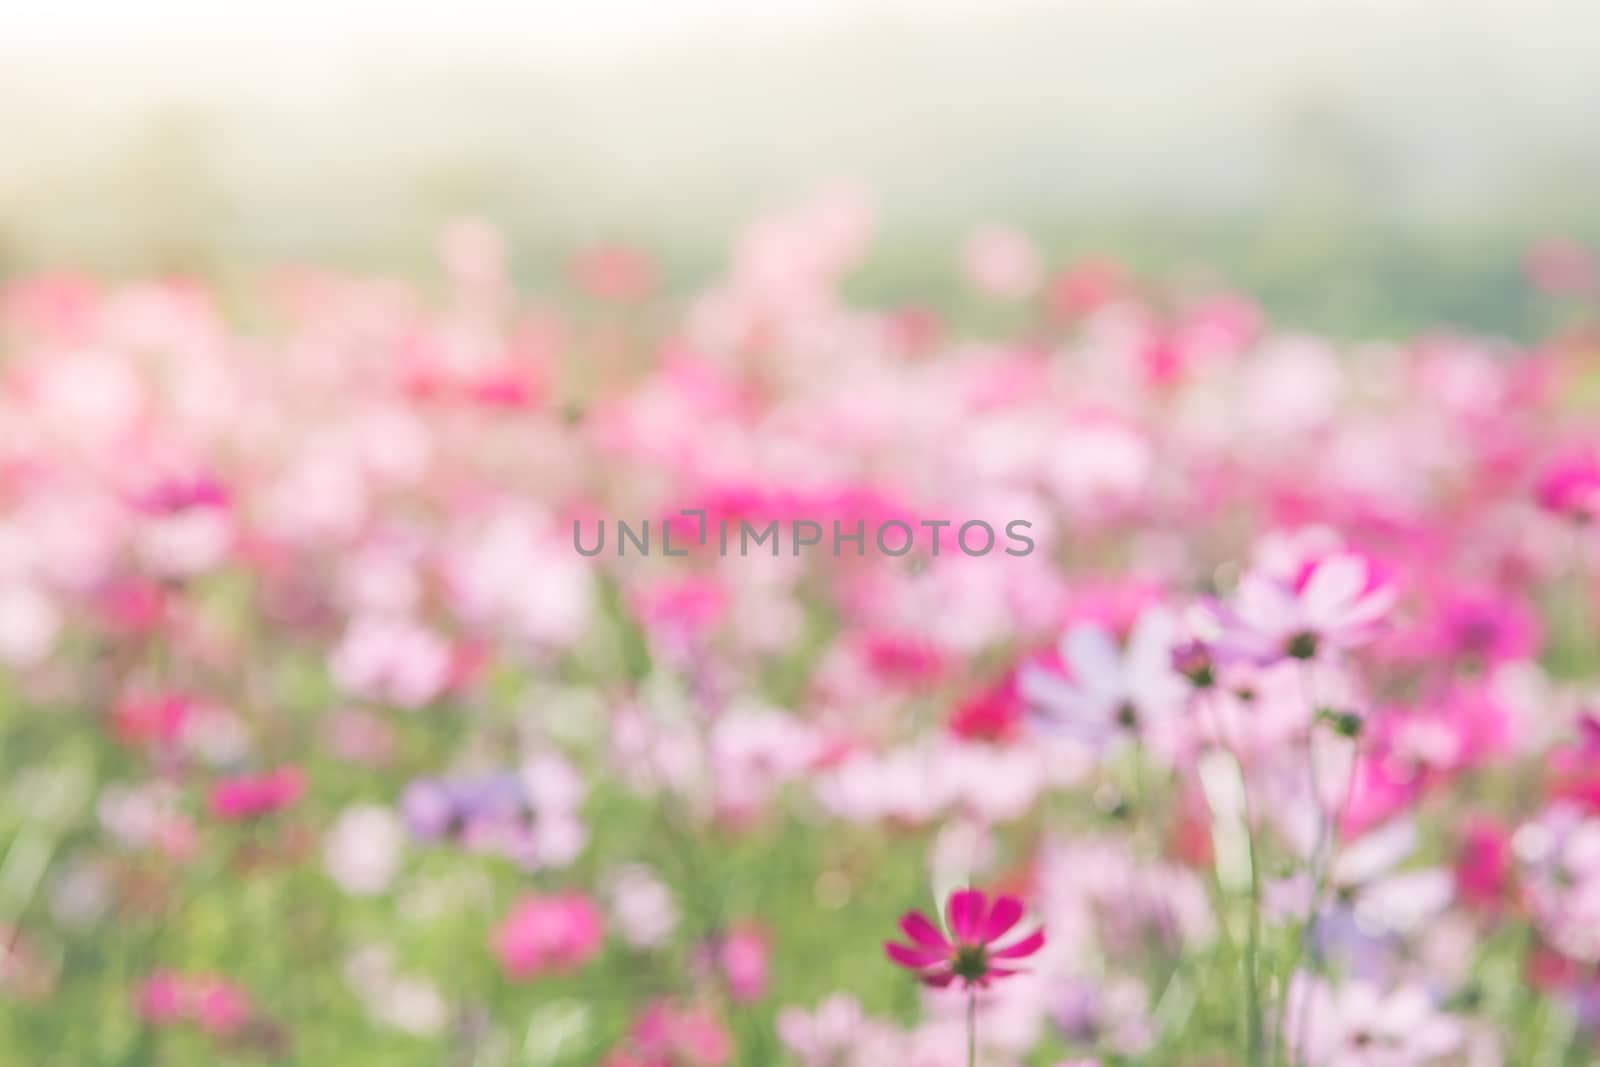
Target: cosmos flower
x,y
1569,485
970,954
1360,1025
364,849
548,933
1333,602
248,796
1107,692
212,1003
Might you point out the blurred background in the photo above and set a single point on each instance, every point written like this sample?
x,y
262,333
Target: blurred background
x,y
1362,167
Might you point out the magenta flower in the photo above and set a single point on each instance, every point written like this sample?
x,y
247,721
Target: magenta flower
x,y
969,953
555,934
211,1002
1569,485
248,796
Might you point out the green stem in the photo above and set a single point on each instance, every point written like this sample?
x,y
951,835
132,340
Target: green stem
x,y
1256,1024
1255,1013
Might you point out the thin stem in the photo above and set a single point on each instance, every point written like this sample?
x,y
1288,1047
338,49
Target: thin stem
x,y
1327,845
1205,701
1252,971
972,1029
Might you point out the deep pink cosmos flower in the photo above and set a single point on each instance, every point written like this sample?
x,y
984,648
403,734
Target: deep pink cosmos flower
x,y
1569,485
175,495
1482,625
969,954
556,933
247,796
1484,864
996,712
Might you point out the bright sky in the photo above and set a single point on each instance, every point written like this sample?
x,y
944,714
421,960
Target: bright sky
x,y
573,27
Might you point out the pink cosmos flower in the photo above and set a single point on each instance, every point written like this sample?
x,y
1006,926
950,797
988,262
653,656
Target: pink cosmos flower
x,y
159,999
1560,266
830,1036
970,954
247,796
672,1035
614,272
680,612
994,713
743,956
642,906
1359,1025
1482,625
1569,485
392,660
219,1006
140,718
1086,286
556,933
30,623
1003,263
1333,602
213,1003
1108,692
172,496
1484,864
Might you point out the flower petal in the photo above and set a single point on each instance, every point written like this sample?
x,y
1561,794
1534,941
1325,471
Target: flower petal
x,y
915,958
923,933
1091,653
1026,947
1002,917
964,911
1334,585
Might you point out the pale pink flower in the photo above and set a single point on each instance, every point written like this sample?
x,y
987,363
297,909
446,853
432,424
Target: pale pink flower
x,y
1003,263
1107,693
364,848
391,660
1357,1024
1333,603
30,623
642,906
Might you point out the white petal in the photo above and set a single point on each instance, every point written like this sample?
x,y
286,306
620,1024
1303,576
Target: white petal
x,y
1150,646
1334,585
1375,852
1092,656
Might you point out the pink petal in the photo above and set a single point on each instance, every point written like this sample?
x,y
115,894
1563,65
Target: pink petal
x,y
939,979
1334,584
921,930
1002,917
914,958
1026,947
965,913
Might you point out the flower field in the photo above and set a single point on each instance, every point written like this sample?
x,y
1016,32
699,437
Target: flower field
x,y
442,671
